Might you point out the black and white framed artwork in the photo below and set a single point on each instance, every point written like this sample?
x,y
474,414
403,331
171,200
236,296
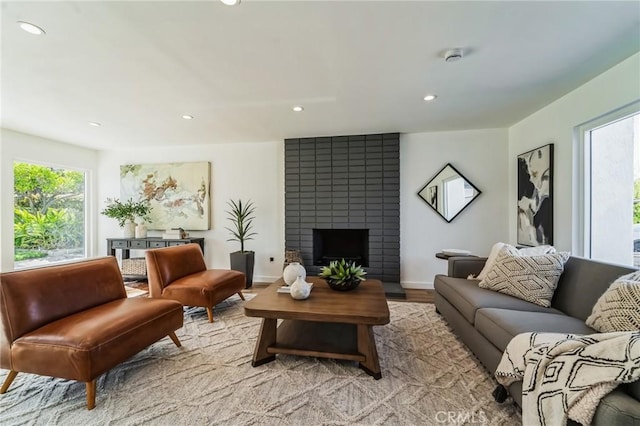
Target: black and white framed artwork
x,y
535,197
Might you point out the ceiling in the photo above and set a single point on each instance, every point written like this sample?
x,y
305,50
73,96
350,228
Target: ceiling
x,y
357,67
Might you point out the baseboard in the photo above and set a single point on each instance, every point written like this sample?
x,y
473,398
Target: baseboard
x,y
265,279
417,285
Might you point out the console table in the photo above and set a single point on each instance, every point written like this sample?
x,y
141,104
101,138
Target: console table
x,y
127,244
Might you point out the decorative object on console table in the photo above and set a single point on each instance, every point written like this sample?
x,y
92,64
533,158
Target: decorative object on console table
x,y
178,192
174,234
141,228
342,275
126,213
535,197
448,193
241,217
293,271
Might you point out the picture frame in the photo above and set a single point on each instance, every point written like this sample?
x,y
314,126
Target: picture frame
x,y
178,193
535,197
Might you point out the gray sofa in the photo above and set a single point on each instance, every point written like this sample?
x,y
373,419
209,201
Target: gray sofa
x,y
486,320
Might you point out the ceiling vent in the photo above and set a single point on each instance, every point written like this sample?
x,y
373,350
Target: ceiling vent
x,y
452,55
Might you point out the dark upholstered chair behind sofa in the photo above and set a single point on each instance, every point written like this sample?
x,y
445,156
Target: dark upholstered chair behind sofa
x,y
75,322
180,273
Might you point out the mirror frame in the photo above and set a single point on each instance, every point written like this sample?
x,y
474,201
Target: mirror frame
x,y
430,181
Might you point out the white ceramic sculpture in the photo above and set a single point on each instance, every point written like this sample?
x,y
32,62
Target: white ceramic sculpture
x,y
292,271
300,289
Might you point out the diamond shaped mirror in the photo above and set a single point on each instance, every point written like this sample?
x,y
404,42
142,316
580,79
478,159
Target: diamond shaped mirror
x,y
448,192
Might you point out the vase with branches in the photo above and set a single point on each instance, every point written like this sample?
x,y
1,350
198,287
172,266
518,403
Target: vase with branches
x,y
241,216
126,212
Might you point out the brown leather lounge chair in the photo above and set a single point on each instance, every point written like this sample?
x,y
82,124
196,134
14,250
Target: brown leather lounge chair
x,y
75,322
180,273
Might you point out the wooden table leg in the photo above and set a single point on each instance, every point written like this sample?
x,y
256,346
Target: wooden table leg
x,y
367,347
266,338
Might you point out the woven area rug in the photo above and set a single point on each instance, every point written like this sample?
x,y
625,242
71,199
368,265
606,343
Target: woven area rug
x,y
428,378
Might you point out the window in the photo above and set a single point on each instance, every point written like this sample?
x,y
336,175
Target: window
x,y
610,165
49,214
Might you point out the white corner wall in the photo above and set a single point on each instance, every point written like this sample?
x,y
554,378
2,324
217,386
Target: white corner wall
x,y
16,146
479,155
555,123
247,170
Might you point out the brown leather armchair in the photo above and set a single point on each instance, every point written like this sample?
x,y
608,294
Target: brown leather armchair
x,y
180,273
75,322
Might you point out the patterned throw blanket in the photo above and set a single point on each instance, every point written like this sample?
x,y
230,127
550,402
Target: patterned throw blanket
x,y
565,376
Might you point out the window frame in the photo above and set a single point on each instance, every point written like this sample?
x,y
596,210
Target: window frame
x,y
88,226
582,175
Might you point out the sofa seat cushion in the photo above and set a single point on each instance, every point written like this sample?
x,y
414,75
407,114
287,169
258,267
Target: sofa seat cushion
x,y
499,326
88,343
467,297
212,286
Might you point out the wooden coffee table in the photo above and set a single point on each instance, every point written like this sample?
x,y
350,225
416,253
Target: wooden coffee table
x,y
329,324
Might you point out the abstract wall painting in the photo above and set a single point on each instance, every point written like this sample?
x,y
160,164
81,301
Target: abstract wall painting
x,y
535,197
177,192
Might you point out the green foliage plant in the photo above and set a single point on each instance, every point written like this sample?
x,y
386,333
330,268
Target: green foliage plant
x,y
29,254
342,271
37,188
55,229
241,216
128,210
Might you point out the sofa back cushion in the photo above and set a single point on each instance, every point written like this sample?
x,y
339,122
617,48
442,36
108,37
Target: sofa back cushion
x,y
32,298
166,265
582,283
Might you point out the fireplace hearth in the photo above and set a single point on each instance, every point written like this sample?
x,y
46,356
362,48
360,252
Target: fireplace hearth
x,y
336,244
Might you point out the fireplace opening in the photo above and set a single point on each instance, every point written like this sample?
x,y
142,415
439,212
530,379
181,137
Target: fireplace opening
x,y
336,244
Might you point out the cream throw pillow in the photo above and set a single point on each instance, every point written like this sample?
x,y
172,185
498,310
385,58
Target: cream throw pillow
x,y
528,251
530,278
490,260
618,309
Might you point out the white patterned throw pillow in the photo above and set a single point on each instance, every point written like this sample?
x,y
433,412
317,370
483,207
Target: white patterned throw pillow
x,y
491,259
530,278
618,309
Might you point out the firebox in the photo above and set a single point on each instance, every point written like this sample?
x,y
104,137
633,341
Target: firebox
x,y
336,244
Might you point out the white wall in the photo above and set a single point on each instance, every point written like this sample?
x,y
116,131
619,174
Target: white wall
x,y
479,155
248,171
16,146
555,123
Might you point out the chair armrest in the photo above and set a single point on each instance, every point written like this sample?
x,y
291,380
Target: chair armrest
x,y
463,266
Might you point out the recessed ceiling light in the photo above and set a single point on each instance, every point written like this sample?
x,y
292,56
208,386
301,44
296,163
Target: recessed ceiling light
x,y
30,28
453,55
297,108
94,124
430,97
188,117
231,2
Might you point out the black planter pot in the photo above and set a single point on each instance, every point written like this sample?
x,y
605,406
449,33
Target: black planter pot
x,y
243,262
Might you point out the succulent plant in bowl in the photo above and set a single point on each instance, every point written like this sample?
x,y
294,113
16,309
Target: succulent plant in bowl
x,y
343,275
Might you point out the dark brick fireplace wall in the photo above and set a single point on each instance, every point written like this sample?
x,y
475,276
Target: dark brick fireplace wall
x,y
345,182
